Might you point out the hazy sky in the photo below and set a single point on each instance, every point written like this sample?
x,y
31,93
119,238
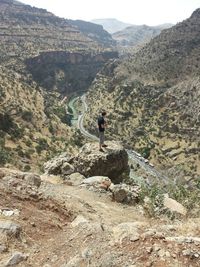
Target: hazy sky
x,y
150,12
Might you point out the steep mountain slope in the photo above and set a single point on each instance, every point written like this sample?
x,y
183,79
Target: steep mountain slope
x,y
41,57
111,25
93,31
137,34
153,99
32,122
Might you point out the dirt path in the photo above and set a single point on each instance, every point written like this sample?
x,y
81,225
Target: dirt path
x,y
71,226
92,205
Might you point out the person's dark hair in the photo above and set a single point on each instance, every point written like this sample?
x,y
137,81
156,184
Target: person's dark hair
x,y
103,113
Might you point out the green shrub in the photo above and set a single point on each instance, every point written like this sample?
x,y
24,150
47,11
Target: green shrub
x,y
27,115
42,145
27,168
6,122
4,153
145,152
28,142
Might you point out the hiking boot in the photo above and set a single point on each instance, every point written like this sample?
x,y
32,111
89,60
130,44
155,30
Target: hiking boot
x,y
101,150
104,145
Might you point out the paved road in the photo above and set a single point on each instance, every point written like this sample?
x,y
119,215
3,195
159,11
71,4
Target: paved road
x,y
133,155
80,121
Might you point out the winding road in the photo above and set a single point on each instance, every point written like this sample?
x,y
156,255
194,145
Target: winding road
x,y
133,155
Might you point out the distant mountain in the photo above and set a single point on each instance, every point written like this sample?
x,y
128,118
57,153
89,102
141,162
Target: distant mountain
x,y
111,25
164,26
138,34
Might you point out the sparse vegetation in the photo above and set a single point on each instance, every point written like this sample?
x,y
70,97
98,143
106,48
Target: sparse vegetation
x,y
152,198
4,153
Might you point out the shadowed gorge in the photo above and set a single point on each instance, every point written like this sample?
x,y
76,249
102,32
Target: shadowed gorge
x,y
68,72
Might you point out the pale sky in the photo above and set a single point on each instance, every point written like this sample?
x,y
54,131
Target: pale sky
x,y
150,12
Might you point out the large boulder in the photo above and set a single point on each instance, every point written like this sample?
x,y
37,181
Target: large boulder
x,y
113,162
32,179
100,182
58,165
124,193
74,178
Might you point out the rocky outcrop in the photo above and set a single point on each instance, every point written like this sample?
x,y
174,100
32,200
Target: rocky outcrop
x,y
54,166
113,163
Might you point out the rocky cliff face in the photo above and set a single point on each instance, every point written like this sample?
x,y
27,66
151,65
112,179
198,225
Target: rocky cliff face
x,y
153,99
67,72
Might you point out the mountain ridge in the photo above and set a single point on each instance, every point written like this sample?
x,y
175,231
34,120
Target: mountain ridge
x,y
111,25
152,98
138,35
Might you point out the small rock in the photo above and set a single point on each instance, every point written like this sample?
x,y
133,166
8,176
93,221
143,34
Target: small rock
x,y
75,178
10,228
124,193
149,264
16,258
74,262
148,233
86,253
167,254
9,213
67,169
126,230
149,249
33,179
79,220
186,252
156,248
3,248
173,205
183,239
98,182
54,165
161,253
